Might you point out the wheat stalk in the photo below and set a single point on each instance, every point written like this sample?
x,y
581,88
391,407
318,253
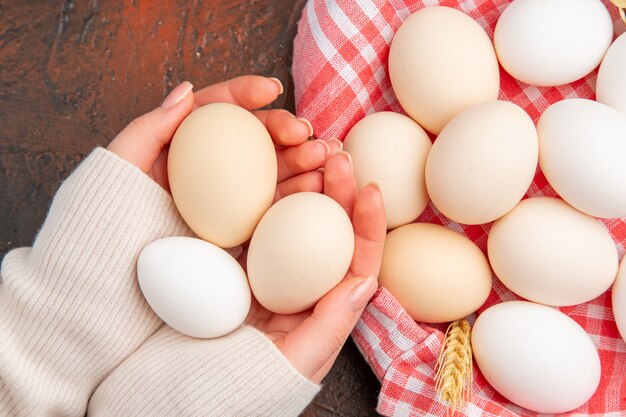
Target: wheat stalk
x,y
453,378
621,5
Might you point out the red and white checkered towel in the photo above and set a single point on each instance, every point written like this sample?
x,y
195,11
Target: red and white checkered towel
x,y
340,74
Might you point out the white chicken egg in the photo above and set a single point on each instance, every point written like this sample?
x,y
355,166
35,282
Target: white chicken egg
x,y
548,252
581,153
194,286
548,43
536,356
611,82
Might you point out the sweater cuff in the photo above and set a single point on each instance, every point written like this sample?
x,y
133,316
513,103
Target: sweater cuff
x,y
70,308
240,374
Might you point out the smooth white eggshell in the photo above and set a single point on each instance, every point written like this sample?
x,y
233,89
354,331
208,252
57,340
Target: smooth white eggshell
x,y
618,296
611,82
194,286
536,356
440,62
581,152
547,251
482,162
300,250
554,42
391,149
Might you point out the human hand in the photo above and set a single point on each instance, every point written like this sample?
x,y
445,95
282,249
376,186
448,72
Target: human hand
x,y
145,141
311,340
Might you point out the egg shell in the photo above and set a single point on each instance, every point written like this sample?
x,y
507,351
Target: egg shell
x,y
194,286
536,356
537,41
483,162
611,82
546,251
436,274
222,171
618,298
581,153
391,149
300,250
440,62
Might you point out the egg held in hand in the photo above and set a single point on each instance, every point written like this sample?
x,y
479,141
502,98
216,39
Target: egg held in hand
x,y
194,286
300,250
222,171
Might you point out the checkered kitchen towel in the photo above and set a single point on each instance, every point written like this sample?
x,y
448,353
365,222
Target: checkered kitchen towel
x,y
340,74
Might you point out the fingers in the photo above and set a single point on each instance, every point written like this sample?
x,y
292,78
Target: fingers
x,y
370,228
309,181
159,169
325,369
142,141
248,91
335,145
307,156
284,128
312,345
339,183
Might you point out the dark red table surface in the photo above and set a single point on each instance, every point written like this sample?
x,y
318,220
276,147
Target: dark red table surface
x,y
74,73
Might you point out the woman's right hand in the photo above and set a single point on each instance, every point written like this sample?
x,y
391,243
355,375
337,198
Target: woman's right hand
x,y
145,141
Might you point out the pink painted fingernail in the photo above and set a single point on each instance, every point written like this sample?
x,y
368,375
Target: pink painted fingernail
x,y
308,125
362,292
177,95
279,85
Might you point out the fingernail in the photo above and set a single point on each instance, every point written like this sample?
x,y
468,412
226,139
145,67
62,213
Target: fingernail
x,y
324,144
373,184
308,125
177,94
346,155
361,294
337,141
278,84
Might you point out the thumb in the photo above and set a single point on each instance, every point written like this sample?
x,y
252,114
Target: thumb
x,y
319,338
142,141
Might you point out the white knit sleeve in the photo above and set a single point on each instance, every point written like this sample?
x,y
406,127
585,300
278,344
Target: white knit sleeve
x,y
70,307
240,374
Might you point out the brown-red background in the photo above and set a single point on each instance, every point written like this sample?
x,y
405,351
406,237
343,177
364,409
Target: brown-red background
x,y
73,73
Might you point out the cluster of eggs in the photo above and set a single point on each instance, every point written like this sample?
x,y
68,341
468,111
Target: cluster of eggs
x,y
222,170
552,252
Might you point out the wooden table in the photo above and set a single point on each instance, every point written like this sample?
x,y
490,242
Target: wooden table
x,y
74,73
